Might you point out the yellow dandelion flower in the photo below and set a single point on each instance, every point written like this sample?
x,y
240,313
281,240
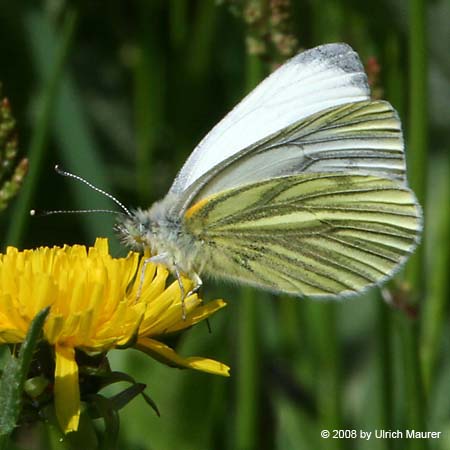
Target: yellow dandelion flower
x,y
95,307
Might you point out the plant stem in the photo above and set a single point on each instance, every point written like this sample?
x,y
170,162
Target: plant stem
x,y
328,368
149,94
418,129
248,382
384,367
438,294
201,41
178,11
417,159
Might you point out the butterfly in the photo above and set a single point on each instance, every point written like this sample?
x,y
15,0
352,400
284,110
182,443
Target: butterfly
x,y
300,189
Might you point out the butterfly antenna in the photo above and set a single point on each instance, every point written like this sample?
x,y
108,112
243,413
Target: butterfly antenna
x,y
59,171
38,213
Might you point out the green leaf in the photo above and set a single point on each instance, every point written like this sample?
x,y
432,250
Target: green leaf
x,y
14,376
105,408
124,397
106,378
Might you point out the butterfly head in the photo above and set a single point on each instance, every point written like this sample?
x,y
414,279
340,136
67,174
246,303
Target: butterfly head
x,y
137,230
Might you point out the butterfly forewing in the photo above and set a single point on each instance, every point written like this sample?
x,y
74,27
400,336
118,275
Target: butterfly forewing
x,y
317,79
323,234
363,137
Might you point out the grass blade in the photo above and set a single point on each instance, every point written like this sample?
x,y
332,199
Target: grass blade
x,y
40,137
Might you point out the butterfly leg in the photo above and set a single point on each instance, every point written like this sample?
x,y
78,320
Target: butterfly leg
x,y
157,259
198,283
182,292
162,259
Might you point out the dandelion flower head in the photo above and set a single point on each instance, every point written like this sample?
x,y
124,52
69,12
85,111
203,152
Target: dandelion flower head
x,y
97,303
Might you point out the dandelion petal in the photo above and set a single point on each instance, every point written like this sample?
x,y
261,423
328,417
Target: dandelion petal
x,y
67,392
168,356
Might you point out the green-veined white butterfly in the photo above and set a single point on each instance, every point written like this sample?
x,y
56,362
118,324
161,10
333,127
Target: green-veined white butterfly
x,y
301,188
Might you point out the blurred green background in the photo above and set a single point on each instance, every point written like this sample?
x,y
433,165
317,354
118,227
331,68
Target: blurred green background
x,y
120,92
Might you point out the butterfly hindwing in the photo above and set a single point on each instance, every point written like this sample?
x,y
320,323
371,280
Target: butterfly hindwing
x,y
327,234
